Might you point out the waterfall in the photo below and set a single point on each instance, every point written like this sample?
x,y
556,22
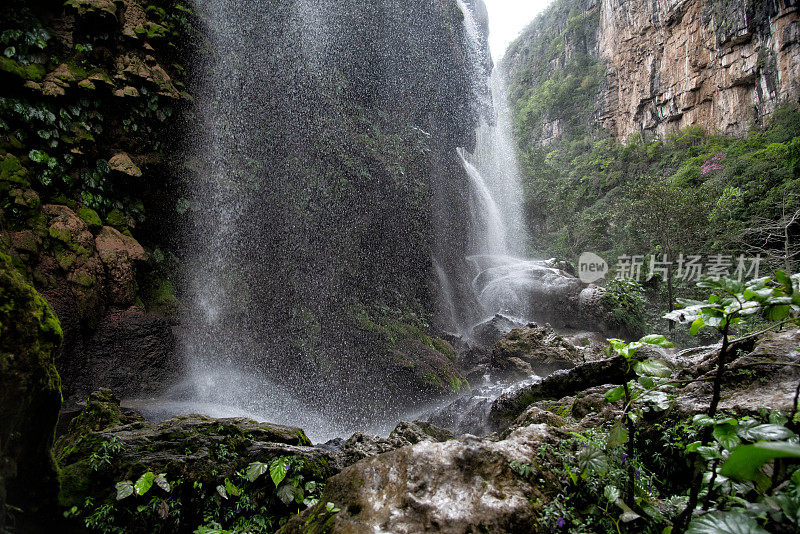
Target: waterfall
x,y
502,280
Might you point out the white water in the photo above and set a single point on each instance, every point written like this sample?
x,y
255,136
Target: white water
x,y
502,280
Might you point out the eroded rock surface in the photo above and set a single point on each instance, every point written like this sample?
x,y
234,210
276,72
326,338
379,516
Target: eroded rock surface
x,y
459,486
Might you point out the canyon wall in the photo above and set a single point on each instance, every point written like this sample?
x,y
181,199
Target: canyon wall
x,y
658,66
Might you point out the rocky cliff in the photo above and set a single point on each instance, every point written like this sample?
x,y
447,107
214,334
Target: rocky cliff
x,y
655,67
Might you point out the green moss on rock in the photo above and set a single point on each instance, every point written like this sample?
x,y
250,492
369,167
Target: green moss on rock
x,y
91,218
30,393
34,72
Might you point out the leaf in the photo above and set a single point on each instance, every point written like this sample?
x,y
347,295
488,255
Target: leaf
x,y
768,432
702,420
37,156
277,470
593,461
611,493
617,436
785,281
222,492
724,523
697,324
124,489
286,493
656,339
653,367
726,436
746,460
330,507
613,395
255,470
161,482
709,452
777,313
144,483
231,488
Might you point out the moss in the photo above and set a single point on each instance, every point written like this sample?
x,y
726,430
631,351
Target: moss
x,y
30,391
34,72
60,234
117,219
91,218
65,259
12,171
83,279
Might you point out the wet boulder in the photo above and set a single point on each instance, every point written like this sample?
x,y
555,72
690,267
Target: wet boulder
x,y
459,486
533,350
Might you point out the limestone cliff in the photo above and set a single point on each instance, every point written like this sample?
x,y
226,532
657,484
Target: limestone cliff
x,y
662,66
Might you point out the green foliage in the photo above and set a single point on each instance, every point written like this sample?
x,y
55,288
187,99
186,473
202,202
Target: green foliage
x,y
625,302
242,502
105,454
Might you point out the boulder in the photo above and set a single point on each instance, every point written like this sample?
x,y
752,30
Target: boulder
x,y
360,445
202,460
459,486
119,254
30,394
533,350
508,406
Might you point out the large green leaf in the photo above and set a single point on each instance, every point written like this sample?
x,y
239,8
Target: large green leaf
x,y
144,483
255,470
287,493
653,367
278,470
593,461
617,436
767,432
697,324
726,435
613,395
745,461
658,340
725,523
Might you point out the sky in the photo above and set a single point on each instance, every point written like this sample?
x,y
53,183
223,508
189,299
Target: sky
x,y
507,18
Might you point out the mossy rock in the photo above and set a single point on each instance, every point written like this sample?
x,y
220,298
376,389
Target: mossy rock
x,y
99,7
34,72
30,393
12,172
117,219
91,218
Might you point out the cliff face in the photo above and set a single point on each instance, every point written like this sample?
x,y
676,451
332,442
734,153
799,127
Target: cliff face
x,y
719,64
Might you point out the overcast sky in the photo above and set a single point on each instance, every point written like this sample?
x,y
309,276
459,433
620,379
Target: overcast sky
x,y
507,18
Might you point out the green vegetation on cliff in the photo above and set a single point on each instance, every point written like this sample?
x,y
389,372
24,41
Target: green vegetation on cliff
x,y
692,192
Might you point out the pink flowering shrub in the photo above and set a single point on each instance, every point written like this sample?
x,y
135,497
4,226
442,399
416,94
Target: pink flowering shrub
x,y
714,163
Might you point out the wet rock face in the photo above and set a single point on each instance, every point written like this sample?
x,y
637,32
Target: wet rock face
x,y
534,350
560,384
30,394
131,352
190,448
720,65
360,446
459,486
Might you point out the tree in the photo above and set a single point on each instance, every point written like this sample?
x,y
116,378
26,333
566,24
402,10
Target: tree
x,y
663,220
773,239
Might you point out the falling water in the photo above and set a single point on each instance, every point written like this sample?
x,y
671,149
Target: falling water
x,y
502,280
